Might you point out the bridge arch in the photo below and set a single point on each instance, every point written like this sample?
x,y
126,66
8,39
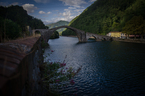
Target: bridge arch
x,y
80,34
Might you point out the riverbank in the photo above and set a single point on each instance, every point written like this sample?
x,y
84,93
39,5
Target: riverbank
x,y
130,40
119,39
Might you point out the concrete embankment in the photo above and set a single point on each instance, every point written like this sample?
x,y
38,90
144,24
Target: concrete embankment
x,y
19,67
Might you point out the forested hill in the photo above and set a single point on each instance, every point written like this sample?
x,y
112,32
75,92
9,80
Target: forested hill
x,y
19,15
57,24
104,16
13,22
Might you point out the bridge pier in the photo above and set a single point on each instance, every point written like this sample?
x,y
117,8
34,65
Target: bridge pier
x,y
81,36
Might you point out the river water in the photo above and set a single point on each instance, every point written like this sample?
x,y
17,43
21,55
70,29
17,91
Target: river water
x,y
108,68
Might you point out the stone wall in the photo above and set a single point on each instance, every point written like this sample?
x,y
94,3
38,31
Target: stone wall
x,y
19,67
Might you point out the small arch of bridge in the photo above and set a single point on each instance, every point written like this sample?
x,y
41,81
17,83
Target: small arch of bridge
x,y
97,37
71,28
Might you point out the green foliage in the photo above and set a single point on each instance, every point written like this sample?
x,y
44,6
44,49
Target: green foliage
x,y
44,44
54,35
68,32
10,29
104,16
13,30
1,29
135,25
54,73
20,17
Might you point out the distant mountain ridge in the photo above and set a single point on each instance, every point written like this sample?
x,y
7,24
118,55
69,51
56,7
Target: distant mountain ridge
x,y
57,24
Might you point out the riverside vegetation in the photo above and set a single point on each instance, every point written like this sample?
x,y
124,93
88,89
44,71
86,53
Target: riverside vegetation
x,y
55,73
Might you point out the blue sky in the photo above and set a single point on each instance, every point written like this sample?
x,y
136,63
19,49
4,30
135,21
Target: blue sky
x,y
50,11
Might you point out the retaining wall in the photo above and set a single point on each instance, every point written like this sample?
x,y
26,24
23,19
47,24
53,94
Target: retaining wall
x,y
19,67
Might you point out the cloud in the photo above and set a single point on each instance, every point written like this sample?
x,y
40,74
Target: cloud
x,y
48,12
68,14
29,7
41,1
15,3
3,4
92,0
53,20
74,10
41,12
73,2
7,4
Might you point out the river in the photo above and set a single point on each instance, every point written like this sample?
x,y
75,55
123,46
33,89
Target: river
x,y
108,68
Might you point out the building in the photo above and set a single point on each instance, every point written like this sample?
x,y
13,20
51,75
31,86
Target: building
x,y
116,34
28,28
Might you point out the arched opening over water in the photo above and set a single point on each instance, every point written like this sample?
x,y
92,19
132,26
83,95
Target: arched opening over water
x,y
36,33
60,30
68,32
92,39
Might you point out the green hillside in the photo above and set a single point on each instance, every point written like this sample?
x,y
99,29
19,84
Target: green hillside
x,y
104,16
57,24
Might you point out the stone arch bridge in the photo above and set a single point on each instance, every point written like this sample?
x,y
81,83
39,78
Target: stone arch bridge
x,y
82,35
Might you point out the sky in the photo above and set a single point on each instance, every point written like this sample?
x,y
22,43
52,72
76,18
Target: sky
x,y
50,11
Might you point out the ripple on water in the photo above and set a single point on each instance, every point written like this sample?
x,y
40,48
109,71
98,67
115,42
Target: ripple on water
x,y
108,68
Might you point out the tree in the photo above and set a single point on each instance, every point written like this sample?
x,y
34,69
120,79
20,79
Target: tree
x,y
107,15
46,27
141,29
135,26
18,15
54,35
1,29
13,30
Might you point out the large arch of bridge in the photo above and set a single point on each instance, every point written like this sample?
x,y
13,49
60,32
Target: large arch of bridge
x,y
80,34
74,30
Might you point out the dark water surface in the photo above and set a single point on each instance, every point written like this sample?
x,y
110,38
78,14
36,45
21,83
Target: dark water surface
x,y
108,68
